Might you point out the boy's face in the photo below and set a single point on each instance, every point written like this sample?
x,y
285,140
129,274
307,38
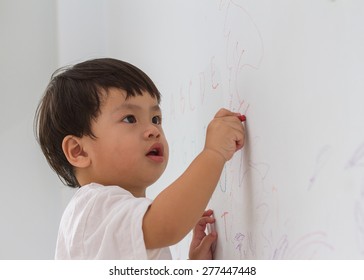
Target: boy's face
x,y
130,149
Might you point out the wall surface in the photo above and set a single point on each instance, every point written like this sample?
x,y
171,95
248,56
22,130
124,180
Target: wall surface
x,y
296,190
294,69
30,204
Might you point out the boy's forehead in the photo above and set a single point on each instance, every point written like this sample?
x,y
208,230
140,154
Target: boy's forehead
x,y
117,99
115,93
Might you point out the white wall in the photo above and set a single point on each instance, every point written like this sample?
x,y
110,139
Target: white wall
x,y
82,30
283,191
30,194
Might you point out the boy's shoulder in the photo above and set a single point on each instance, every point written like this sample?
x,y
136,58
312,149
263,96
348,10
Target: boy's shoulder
x,y
95,194
100,202
98,191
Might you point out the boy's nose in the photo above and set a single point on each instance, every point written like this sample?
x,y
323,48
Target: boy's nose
x,y
152,132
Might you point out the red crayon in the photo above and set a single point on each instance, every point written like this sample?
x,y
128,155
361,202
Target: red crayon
x,y
242,118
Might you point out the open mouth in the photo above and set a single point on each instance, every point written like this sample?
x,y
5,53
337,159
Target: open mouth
x,y
156,152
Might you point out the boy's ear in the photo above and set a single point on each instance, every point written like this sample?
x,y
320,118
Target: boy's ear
x,y
73,149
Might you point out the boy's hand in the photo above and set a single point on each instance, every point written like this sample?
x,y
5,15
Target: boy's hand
x,y
202,245
225,134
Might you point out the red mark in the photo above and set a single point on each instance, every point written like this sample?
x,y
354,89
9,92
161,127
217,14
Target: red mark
x,y
242,118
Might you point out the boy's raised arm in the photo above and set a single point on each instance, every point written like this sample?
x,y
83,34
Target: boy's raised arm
x,y
175,211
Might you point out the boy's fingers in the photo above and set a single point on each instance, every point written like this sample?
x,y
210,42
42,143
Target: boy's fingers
x,y
204,221
225,113
208,212
208,240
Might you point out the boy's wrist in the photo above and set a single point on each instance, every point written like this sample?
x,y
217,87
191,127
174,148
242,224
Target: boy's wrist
x,y
214,155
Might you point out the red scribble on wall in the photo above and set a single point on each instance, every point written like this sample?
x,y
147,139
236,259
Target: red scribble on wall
x,y
224,217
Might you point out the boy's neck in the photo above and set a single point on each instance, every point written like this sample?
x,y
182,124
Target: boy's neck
x,y
135,191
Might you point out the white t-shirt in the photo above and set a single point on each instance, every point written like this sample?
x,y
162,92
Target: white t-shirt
x,y
105,222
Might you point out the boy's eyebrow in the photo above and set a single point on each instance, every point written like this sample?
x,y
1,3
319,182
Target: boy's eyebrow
x,y
155,108
135,107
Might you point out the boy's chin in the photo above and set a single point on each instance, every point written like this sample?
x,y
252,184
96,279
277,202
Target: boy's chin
x,y
151,181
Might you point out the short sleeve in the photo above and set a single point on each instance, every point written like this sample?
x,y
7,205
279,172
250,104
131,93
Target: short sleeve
x,y
113,229
104,223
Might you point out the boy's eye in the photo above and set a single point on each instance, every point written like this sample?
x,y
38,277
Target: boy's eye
x,y
157,120
129,119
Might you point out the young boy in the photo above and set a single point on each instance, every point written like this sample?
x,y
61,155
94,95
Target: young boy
x,y
99,125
